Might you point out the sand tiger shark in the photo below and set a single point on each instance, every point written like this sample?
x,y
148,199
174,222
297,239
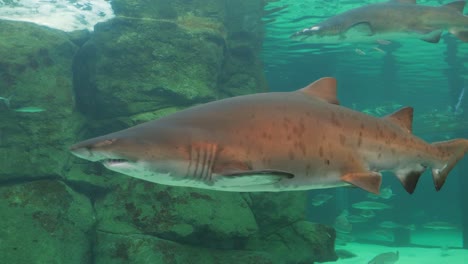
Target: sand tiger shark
x,y
275,141
393,19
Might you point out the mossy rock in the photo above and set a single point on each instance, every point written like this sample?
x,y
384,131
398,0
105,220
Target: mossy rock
x,y
195,216
135,66
135,248
276,210
44,222
35,71
300,242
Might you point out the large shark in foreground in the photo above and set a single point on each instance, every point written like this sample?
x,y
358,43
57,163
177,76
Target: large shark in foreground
x,y
394,19
278,141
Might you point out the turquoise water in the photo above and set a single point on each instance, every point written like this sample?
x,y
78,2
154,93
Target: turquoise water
x,y
378,78
83,69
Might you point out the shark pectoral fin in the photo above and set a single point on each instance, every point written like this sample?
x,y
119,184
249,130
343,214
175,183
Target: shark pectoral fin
x,y
253,177
369,181
433,37
363,28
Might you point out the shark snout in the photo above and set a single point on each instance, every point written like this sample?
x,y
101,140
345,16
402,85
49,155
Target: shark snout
x,y
92,149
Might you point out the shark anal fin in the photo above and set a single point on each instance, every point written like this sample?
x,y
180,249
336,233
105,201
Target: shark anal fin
x,y
369,181
402,118
433,37
409,178
363,28
251,178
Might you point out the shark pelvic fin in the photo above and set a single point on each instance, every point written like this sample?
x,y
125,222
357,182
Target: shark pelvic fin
x,y
457,5
369,181
404,1
460,33
433,37
324,88
402,118
455,150
409,178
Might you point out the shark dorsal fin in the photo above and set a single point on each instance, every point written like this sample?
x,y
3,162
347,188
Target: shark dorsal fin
x,y
402,118
404,1
457,5
324,89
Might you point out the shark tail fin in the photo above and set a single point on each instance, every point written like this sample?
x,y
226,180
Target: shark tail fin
x,y
451,151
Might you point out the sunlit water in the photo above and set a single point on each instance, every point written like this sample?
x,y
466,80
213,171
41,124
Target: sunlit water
x,y
66,15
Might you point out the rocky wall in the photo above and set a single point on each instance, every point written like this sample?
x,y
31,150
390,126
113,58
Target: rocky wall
x,y
153,58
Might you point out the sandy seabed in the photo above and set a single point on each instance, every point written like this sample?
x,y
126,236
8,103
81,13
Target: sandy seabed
x,y
414,255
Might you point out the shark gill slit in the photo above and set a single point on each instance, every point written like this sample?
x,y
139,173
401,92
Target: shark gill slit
x,y
211,160
201,161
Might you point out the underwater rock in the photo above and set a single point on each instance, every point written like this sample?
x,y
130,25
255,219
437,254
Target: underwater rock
x,y
276,210
198,217
168,9
35,74
142,61
137,248
44,221
135,66
300,242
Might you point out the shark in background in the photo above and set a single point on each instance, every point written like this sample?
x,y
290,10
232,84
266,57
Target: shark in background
x,y
276,141
394,19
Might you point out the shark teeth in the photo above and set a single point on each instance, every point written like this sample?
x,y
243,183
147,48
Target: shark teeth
x,y
113,161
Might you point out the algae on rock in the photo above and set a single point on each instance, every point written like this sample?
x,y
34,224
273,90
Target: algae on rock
x,y
35,70
44,222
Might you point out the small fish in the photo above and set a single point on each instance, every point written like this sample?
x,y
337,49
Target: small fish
x,y
6,101
457,109
384,234
342,225
345,254
385,193
383,42
385,258
379,50
320,199
439,225
367,213
393,225
357,219
369,205
359,52
29,109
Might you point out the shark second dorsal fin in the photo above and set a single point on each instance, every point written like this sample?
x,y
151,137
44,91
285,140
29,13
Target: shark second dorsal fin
x,y
324,89
457,5
404,1
402,118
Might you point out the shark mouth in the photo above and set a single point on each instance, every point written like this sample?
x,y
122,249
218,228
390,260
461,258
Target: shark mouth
x,y
114,162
